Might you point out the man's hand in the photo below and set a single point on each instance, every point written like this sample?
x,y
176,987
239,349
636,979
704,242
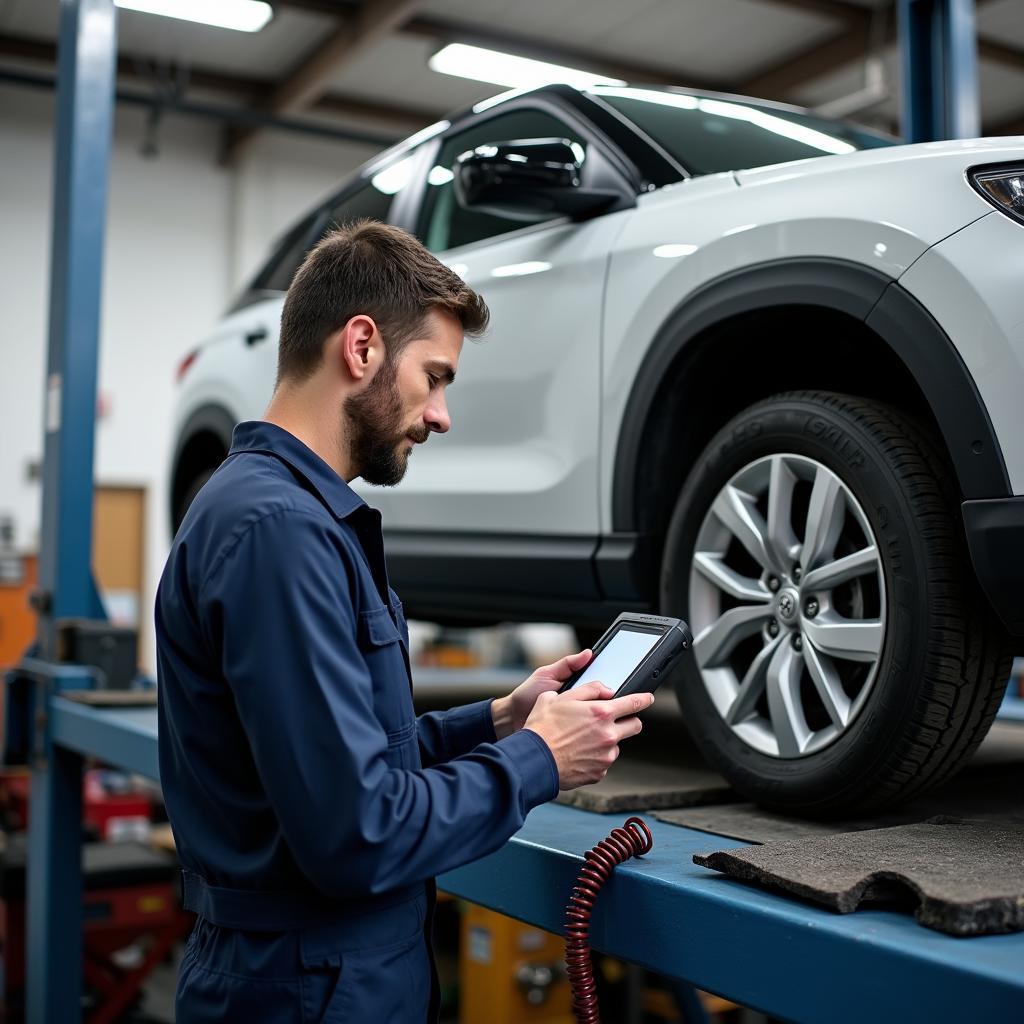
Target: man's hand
x,y
510,713
584,727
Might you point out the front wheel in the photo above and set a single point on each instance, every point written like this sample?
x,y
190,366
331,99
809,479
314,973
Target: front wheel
x,y
844,657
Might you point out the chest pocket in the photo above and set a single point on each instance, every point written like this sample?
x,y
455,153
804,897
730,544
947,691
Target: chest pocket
x,y
378,639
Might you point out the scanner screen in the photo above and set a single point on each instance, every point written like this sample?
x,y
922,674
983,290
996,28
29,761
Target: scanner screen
x,y
614,664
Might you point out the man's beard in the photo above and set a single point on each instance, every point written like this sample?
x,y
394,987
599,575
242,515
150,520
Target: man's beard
x,y
375,430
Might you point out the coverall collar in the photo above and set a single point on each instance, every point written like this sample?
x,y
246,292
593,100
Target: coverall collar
x,y
261,436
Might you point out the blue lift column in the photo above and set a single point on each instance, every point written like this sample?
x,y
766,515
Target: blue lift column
x,y
939,70
86,55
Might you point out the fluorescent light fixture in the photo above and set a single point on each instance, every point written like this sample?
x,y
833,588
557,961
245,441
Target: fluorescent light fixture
x,y
462,269
439,175
241,15
394,178
521,269
673,250
481,65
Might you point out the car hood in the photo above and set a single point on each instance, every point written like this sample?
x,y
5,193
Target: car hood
x,y
961,153
920,189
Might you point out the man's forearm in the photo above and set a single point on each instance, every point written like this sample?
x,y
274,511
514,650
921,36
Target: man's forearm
x,y
501,713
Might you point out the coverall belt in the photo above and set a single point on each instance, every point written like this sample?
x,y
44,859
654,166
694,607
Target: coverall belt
x,y
256,910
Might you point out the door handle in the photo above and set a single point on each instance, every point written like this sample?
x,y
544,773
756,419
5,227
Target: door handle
x,y
254,337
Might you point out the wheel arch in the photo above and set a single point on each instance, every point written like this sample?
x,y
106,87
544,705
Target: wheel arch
x,y
882,344
203,443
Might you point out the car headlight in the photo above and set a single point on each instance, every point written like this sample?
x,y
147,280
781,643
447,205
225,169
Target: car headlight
x,y
1003,187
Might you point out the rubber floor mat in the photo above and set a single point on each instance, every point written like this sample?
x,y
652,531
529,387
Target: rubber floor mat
x,y
963,877
633,785
989,787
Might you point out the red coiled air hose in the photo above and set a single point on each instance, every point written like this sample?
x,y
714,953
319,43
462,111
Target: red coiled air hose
x,y
632,840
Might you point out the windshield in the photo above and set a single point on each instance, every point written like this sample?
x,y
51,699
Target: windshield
x,y
707,135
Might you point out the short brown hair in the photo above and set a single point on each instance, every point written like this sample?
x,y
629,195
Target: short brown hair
x,y
373,269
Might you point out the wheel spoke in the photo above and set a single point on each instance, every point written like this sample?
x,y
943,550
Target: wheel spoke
x,y
738,512
826,681
824,519
847,639
718,640
782,540
842,570
745,588
783,688
752,685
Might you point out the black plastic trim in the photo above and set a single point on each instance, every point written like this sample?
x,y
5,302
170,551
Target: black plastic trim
x,y
473,578
948,387
866,294
995,536
556,566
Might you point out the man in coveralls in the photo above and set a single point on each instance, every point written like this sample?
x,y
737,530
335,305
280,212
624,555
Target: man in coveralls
x,y
310,807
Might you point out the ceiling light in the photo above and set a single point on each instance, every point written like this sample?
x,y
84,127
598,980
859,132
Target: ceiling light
x,y
499,68
242,15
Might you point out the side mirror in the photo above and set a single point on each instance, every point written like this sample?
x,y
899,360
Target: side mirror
x,y
527,180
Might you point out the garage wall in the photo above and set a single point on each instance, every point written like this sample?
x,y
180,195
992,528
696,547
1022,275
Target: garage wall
x,y
183,234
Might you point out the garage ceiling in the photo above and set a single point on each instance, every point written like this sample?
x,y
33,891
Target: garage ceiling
x,y
350,66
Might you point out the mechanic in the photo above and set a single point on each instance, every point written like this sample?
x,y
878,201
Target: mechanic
x,y
310,807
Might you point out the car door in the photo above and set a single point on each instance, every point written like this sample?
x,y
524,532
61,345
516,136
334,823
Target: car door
x,y
522,454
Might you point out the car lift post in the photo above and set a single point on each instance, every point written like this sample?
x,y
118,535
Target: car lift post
x,y
86,55
939,70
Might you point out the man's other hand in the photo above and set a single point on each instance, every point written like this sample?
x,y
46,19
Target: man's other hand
x,y
510,713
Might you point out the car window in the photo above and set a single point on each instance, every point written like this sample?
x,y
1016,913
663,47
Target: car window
x,y
443,223
277,274
373,200
707,134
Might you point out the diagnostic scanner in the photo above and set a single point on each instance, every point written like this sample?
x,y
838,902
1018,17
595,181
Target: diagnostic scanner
x,y
634,654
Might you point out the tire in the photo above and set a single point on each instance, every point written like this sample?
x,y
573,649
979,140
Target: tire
x,y
888,672
194,487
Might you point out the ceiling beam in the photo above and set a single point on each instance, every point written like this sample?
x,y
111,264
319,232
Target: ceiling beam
x,y
779,81
312,75
851,13
358,31
1014,127
1000,53
254,91
852,43
445,30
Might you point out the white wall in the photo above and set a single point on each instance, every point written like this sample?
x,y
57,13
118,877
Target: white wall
x,y
183,234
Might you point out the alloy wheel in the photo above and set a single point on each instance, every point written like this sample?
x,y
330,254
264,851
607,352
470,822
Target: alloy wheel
x,y
787,605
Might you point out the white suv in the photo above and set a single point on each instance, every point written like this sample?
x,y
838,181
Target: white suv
x,y
750,367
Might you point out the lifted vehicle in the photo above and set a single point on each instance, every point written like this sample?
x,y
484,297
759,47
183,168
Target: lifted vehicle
x,y
749,367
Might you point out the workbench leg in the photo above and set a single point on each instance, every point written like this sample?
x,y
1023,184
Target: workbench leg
x,y
689,1002
54,939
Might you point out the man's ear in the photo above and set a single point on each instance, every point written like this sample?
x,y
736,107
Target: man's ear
x,y
358,347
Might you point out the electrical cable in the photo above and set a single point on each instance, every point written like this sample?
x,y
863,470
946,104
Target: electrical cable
x,y
633,839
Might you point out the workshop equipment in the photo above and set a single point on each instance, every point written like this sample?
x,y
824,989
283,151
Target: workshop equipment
x,y
129,900
634,839
114,807
510,972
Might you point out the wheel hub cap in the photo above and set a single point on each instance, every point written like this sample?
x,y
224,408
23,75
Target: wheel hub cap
x,y
786,544
786,606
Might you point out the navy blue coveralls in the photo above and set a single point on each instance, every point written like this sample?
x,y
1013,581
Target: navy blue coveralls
x,y
310,807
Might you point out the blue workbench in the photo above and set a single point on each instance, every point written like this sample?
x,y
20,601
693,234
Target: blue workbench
x,y
779,955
